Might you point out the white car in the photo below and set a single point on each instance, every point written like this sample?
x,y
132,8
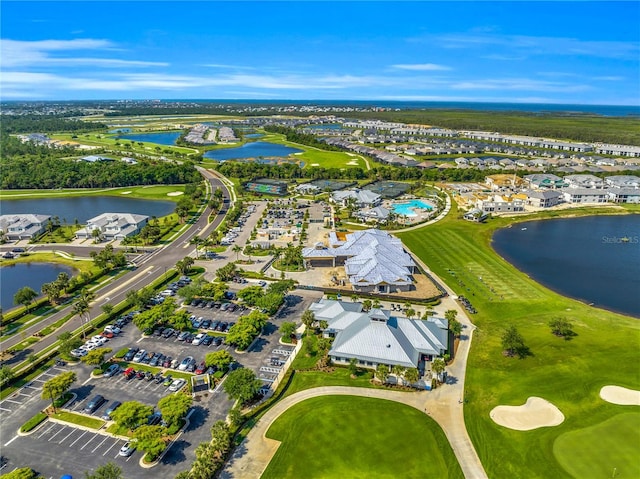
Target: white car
x,y
198,339
78,353
177,385
127,449
113,329
99,340
89,346
139,355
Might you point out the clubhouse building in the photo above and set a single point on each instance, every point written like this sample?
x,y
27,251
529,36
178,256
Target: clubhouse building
x,y
377,337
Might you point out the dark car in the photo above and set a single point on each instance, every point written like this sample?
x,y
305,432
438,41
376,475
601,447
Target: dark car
x,y
154,359
191,367
217,341
148,357
167,362
167,333
130,354
112,407
158,378
154,419
158,332
231,308
183,335
222,326
205,324
140,374
94,404
207,340
111,371
201,368
149,376
214,324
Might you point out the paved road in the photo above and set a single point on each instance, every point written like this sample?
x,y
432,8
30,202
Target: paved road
x,y
151,266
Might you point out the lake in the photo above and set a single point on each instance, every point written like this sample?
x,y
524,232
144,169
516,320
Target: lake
x,y
251,150
33,275
165,138
84,207
594,259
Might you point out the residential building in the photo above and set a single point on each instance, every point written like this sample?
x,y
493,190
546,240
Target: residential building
x,y
501,204
502,182
624,195
95,158
23,226
619,150
623,181
113,226
585,195
374,260
544,199
544,180
376,337
583,181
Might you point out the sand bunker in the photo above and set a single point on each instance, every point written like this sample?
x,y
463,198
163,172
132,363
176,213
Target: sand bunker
x,y
535,413
315,164
175,193
353,163
620,395
125,193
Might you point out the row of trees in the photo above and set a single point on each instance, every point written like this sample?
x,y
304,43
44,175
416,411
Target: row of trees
x,y
246,329
163,314
296,136
50,173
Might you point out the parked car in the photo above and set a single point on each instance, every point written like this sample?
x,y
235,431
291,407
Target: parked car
x,y
224,306
147,358
183,335
98,340
201,368
140,374
185,363
149,376
107,334
154,359
207,340
129,373
191,367
168,380
177,385
139,355
130,354
94,404
174,363
167,362
196,323
262,283
198,339
154,418
112,328
127,449
158,332
79,353
167,333
112,371
158,378
217,340
112,407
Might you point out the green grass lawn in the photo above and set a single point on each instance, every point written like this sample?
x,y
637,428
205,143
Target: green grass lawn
x,y
79,419
353,437
151,192
607,449
567,373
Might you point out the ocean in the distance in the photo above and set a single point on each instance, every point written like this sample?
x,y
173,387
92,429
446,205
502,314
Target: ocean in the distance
x,y
603,110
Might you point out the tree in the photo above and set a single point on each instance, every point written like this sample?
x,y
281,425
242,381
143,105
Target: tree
x,y
251,294
366,305
236,249
398,372
174,407
281,287
410,312
220,359
438,366
353,366
81,306
149,439
52,291
180,320
242,385
411,375
561,327
450,314
22,473
25,297
96,356
455,327
131,414
57,386
107,309
197,241
382,372
221,436
184,265
6,375
287,329
68,343
513,343
308,318
106,471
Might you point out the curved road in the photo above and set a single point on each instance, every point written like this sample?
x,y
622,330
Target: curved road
x,y
151,266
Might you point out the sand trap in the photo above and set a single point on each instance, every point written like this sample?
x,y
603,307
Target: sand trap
x,y
125,192
620,395
353,163
175,193
315,164
535,413
299,153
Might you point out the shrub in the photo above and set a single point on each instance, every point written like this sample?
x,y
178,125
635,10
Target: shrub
x,y
120,354
33,422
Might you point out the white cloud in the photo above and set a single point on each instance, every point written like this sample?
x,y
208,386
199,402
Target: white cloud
x,y
42,53
421,67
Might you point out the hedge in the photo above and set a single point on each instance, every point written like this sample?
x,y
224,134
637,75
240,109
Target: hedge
x,y
33,422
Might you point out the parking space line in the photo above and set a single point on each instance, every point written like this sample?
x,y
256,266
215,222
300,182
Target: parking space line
x,y
83,433
39,381
111,447
65,438
46,431
105,438
3,409
59,431
14,402
87,442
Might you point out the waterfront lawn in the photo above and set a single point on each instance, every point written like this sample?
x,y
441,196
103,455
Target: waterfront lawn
x,y
148,192
567,373
375,438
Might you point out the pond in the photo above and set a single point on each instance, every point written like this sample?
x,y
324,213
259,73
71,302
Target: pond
x,y
165,138
33,275
251,150
84,207
594,259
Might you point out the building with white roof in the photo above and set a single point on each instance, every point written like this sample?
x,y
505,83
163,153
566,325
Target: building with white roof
x,y
379,214
113,226
623,181
23,226
377,337
374,260
583,181
363,198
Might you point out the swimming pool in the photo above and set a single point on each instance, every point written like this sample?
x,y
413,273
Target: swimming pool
x,y
408,208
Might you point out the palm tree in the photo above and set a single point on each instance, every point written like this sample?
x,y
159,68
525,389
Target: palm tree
x,y
81,308
437,366
411,375
197,241
398,372
236,249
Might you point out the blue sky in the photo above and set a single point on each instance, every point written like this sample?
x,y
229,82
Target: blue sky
x,y
548,52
